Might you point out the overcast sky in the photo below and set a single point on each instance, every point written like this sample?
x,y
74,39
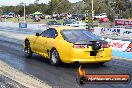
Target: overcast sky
x,y
16,2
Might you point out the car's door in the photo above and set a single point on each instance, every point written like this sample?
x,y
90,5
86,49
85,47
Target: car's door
x,y
46,40
39,43
50,40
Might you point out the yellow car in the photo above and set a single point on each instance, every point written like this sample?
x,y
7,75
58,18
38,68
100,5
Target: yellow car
x,y
68,45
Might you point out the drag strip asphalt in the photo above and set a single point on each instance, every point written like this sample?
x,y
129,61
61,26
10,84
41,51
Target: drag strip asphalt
x,y
63,76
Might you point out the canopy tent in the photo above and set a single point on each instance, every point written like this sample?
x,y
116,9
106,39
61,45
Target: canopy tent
x,y
37,13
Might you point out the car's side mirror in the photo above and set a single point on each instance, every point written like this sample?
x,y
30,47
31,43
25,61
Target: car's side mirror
x,y
37,34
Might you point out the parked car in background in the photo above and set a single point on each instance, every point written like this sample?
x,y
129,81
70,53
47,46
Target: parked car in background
x,y
77,16
68,21
77,24
53,23
74,16
48,16
42,16
104,19
36,18
102,15
30,16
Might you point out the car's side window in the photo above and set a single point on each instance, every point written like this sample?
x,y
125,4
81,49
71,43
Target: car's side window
x,y
50,33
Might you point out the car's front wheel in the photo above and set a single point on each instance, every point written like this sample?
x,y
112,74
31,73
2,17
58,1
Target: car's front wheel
x,y
27,49
54,57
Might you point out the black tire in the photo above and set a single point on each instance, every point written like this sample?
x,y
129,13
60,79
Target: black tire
x,y
27,50
54,57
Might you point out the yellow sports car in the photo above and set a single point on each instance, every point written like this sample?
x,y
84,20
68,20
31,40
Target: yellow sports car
x,y
68,45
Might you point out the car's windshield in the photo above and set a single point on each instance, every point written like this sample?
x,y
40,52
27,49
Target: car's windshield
x,y
74,36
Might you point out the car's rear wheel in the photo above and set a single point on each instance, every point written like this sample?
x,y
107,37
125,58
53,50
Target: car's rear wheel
x,y
27,49
54,58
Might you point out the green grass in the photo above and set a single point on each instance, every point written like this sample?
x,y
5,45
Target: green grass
x,y
29,20
44,21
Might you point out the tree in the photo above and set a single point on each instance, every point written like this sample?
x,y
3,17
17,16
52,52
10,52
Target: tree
x,y
59,6
77,7
122,7
1,12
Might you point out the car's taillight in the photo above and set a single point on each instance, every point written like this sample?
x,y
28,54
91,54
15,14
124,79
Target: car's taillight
x,y
80,46
105,45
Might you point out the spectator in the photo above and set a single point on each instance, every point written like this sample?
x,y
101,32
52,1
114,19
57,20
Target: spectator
x,y
37,18
26,17
18,17
0,18
5,18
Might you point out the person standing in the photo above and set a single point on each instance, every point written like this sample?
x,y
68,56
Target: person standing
x,y
0,18
18,17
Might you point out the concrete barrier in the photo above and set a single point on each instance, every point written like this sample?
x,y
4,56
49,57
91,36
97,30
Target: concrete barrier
x,y
29,26
115,32
119,45
127,55
121,48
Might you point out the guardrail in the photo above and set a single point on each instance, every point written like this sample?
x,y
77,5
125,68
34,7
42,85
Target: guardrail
x,y
127,55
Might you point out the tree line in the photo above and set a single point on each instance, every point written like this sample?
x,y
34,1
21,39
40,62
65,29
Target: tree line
x,y
122,8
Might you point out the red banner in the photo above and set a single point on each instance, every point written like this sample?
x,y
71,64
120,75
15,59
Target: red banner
x,y
123,22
